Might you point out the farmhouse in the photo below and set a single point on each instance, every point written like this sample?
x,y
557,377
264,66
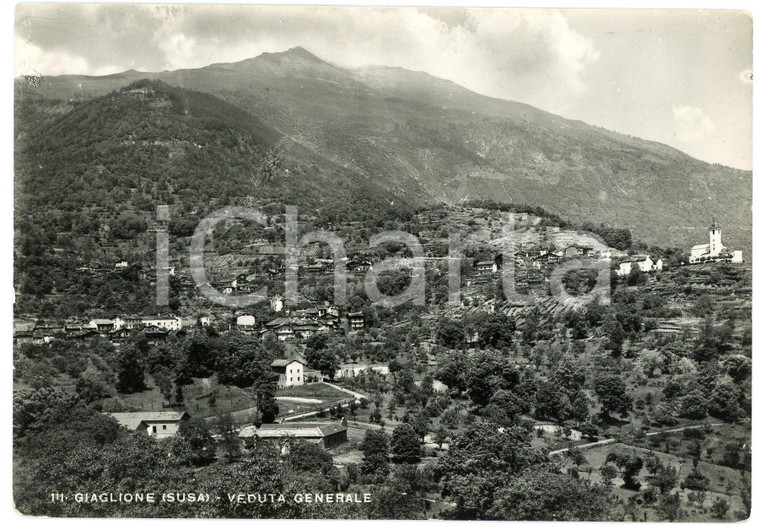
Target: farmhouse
x,y
160,424
290,372
326,434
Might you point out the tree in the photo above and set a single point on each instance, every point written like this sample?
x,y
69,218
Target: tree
x,y
375,450
488,372
615,333
697,497
37,409
664,414
576,455
450,418
504,407
695,450
552,402
441,435
376,416
324,360
179,395
405,445
724,402
496,331
130,370
452,371
164,383
608,473
545,495
670,506
694,404
631,465
224,426
663,477
570,375
481,460
738,367
306,457
451,333
197,438
612,395
719,508
695,481
90,388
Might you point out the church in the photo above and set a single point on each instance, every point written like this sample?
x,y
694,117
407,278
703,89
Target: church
x,y
714,250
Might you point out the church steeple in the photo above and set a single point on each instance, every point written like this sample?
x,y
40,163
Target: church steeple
x,y
716,244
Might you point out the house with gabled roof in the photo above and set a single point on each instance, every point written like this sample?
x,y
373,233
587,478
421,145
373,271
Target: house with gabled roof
x,y
160,424
326,434
290,372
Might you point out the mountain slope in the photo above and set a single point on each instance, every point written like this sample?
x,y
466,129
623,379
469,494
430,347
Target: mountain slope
x,y
425,139
150,143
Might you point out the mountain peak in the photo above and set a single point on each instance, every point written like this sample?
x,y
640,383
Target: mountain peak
x,y
294,53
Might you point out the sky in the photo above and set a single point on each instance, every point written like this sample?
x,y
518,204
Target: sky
x,y
680,77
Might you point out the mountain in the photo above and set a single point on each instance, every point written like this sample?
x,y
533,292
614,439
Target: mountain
x,y
150,143
422,139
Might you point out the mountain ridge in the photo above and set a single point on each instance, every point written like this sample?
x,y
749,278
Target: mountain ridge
x,y
429,138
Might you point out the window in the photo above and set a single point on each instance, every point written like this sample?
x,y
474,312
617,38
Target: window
x,y
164,427
154,429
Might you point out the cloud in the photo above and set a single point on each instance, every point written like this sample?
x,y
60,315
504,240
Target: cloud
x,y
33,60
691,124
529,55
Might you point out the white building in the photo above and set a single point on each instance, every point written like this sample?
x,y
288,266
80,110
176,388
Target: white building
x,y
276,303
290,372
159,424
642,261
246,322
172,323
714,250
127,322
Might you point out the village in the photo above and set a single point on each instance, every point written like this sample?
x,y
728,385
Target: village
x,y
340,372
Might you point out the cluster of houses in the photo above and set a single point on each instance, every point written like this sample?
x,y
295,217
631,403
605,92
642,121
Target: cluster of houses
x,y
302,324
155,328
242,283
165,424
529,262
538,258
299,324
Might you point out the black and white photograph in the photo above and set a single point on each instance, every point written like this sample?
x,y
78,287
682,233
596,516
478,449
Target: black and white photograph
x,y
380,262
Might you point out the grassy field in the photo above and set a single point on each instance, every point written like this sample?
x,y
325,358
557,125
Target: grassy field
x,y
724,481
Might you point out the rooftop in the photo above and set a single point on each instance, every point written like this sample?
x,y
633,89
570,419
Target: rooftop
x,y
133,420
294,430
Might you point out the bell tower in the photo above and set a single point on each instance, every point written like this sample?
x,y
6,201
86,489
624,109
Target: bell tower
x,y
715,239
